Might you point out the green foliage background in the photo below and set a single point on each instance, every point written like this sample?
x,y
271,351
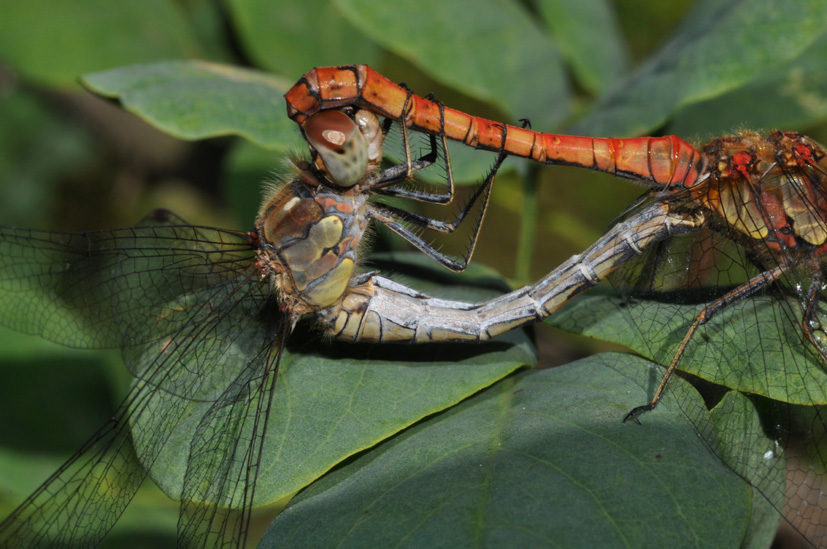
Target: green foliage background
x,y
69,161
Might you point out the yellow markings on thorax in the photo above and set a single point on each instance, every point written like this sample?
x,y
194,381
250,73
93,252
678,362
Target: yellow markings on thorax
x,y
314,260
800,204
740,209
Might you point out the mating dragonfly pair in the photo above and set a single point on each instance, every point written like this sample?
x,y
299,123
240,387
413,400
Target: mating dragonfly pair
x,y
203,314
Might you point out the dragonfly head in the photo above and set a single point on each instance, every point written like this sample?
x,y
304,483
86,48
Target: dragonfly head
x,y
347,149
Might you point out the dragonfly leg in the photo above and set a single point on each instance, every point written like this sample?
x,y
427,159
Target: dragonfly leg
x,y
706,314
809,322
383,183
396,218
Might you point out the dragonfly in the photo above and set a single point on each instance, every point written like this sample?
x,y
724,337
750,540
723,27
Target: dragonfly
x,y
754,203
220,294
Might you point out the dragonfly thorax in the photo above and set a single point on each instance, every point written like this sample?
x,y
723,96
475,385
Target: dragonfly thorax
x,y
309,238
769,189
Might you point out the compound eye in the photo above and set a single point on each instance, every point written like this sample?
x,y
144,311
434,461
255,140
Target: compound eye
x,y
340,145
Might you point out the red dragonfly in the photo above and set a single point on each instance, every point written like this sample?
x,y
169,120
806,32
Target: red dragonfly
x,y
760,207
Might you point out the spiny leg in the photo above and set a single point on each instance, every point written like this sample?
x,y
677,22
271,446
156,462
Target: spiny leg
x,y
394,219
708,312
383,184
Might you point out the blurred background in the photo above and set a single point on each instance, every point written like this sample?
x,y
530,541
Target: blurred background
x,y
70,160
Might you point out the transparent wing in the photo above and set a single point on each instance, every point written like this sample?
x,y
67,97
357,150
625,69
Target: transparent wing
x,y
105,289
757,345
225,457
213,343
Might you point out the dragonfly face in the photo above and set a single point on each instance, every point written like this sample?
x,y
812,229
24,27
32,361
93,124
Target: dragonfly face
x,y
345,149
309,230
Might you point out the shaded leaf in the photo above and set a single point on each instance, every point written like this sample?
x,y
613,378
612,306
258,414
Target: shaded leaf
x,y
293,36
248,169
540,457
793,95
515,66
37,150
721,46
55,41
590,40
196,100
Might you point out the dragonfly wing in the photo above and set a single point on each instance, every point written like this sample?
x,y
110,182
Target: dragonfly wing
x,y
231,339
77,505
225,455
104,289
755,345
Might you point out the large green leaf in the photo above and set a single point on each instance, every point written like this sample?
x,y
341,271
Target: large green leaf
x,y
589,38
514,66
196,100
541,459
55,41
792,95
725,349
332,403
721,46
293,36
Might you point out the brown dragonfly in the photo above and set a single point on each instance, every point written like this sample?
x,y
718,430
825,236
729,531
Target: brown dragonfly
x,y
202,316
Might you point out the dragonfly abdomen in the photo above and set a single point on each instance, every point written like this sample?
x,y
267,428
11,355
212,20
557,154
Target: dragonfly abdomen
x,y
660,161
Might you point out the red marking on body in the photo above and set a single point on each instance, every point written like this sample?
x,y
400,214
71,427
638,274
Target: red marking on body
x,y
741,161
803,152
329,203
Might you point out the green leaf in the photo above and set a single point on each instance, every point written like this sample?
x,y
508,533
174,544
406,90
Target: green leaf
x,y
589,38
333,402
206,17
293,36
82,383
793,95
44,381
721,46
197,100
540,459
514,65
747,449
723,351
55,41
